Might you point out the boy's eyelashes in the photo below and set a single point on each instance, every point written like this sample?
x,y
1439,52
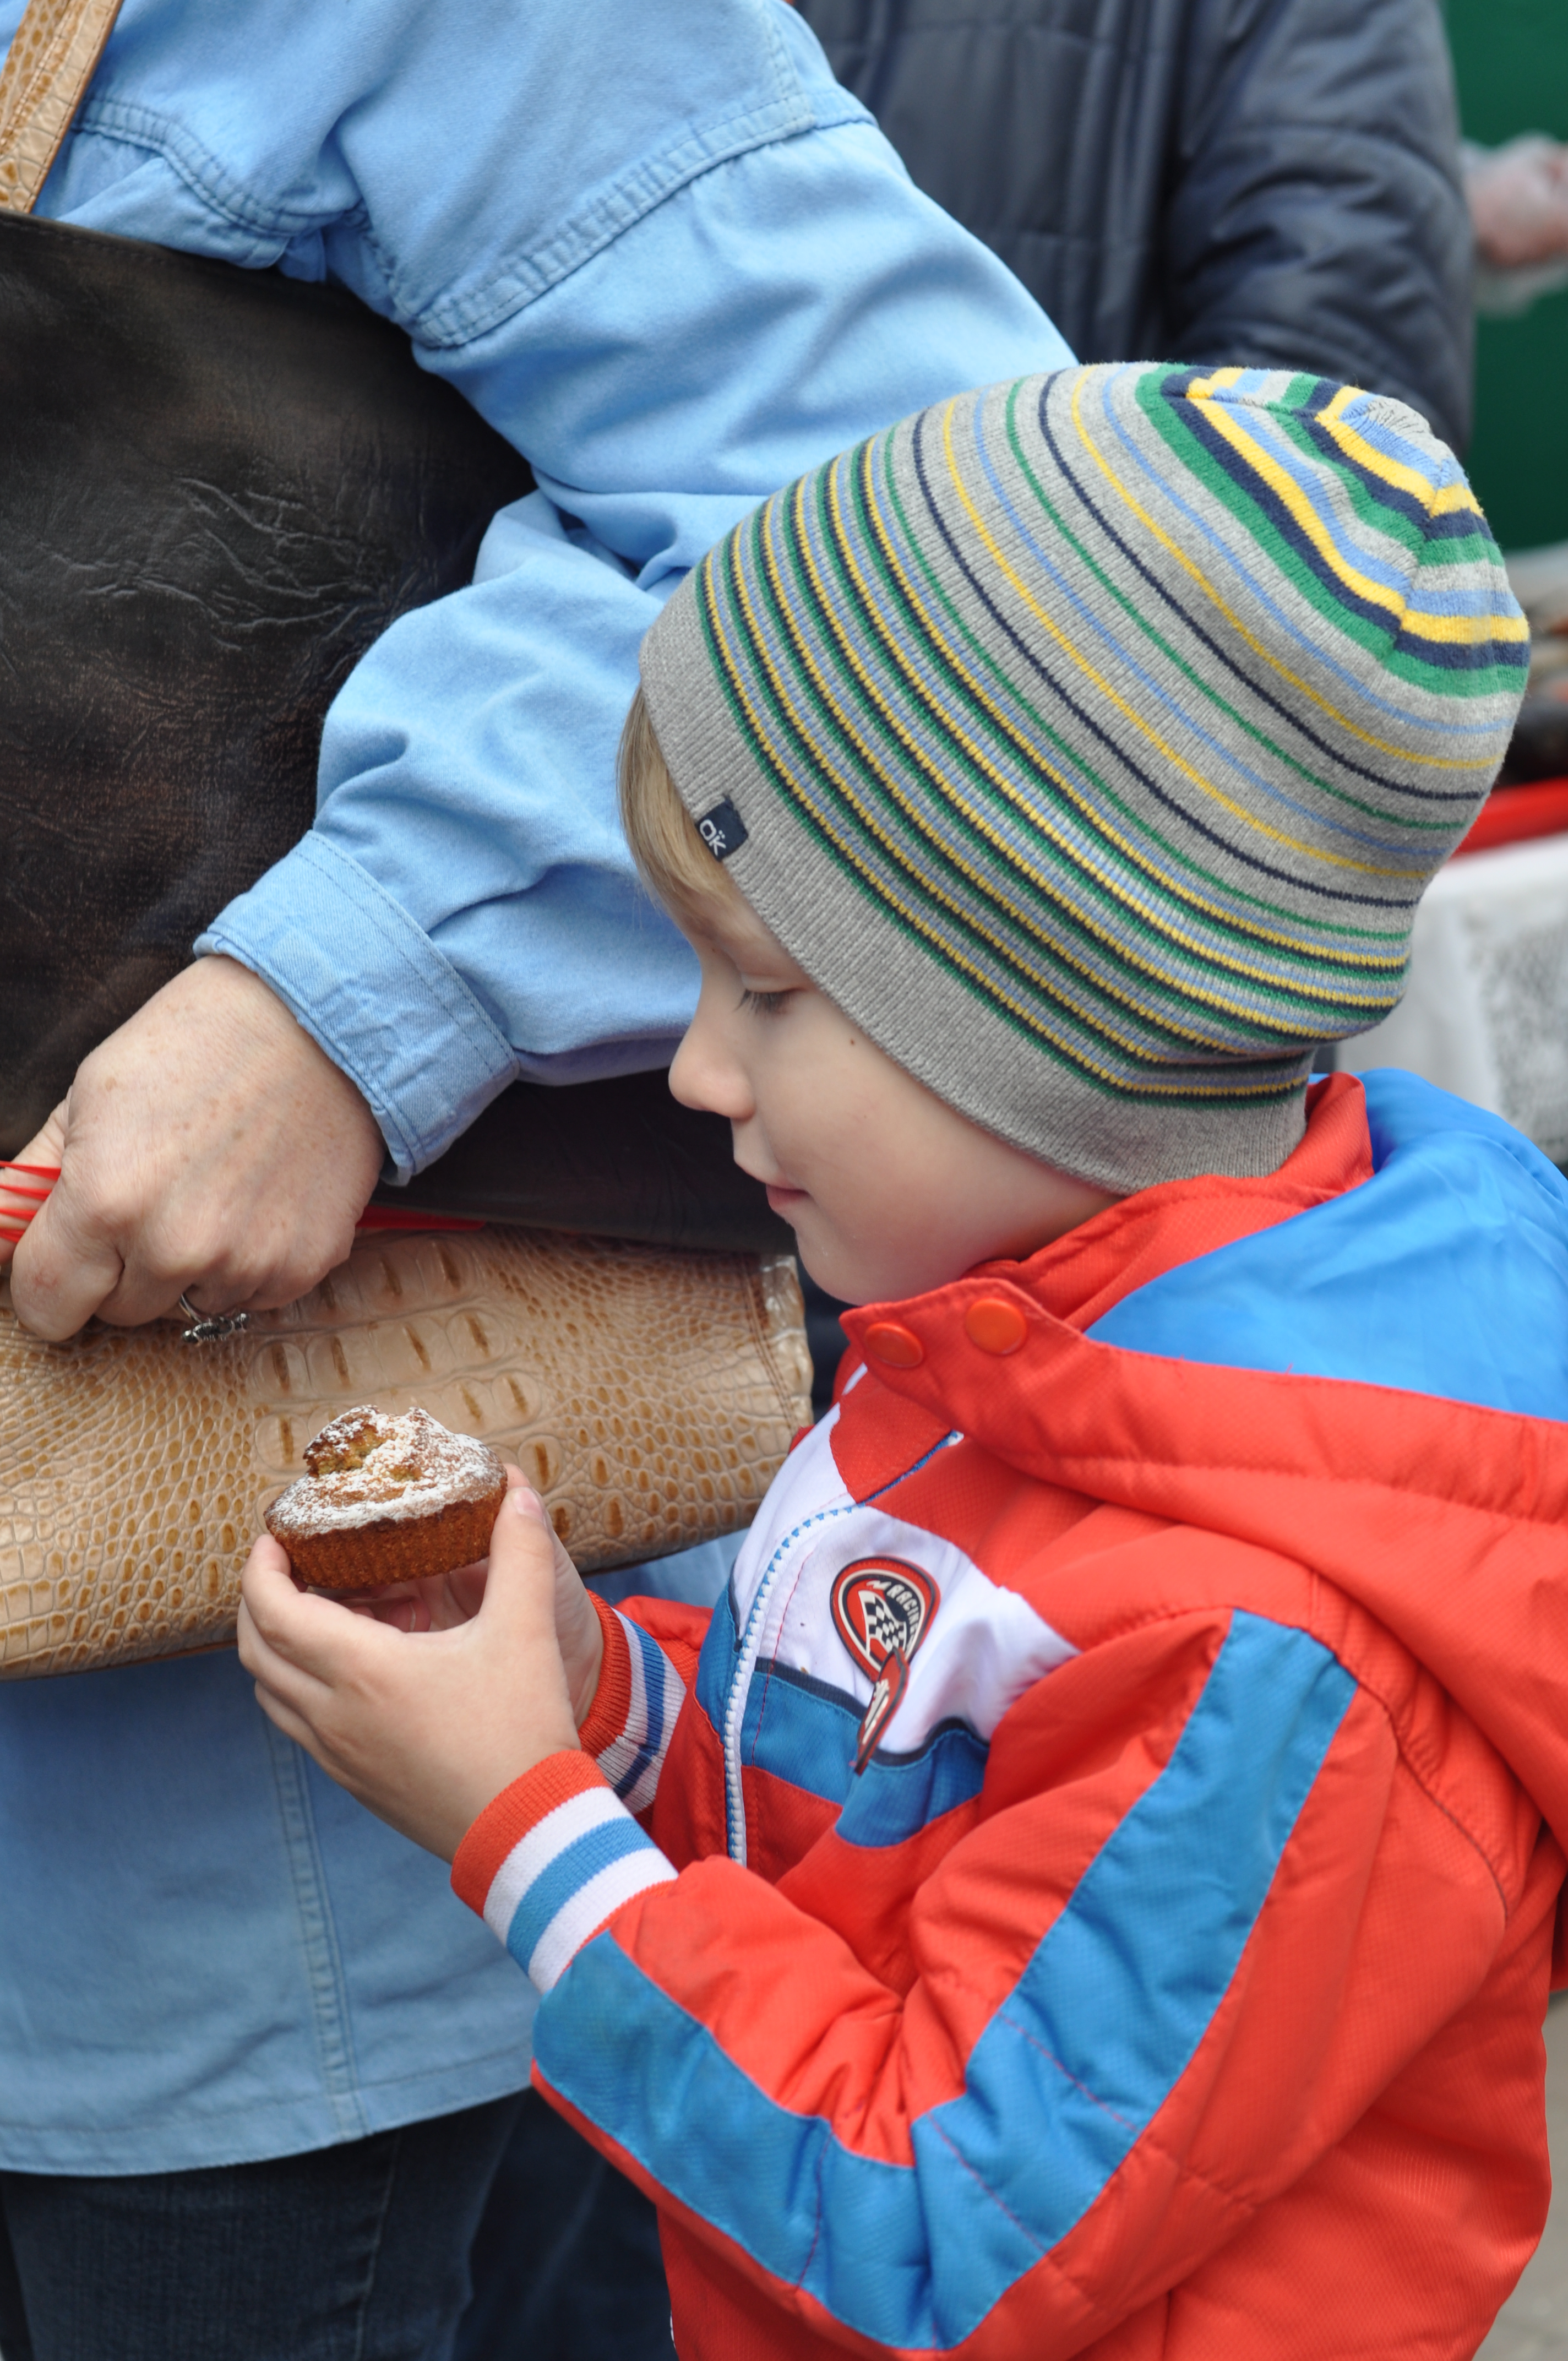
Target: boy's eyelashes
x,y
763,1003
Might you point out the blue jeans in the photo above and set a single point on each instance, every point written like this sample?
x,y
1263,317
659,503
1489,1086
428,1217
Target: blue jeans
x,y
495,2234
567,2264
357,2253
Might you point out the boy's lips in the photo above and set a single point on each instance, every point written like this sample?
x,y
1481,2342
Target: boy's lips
x,y
782,1194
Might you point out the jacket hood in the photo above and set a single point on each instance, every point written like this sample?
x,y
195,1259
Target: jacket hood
x,y
1360,1363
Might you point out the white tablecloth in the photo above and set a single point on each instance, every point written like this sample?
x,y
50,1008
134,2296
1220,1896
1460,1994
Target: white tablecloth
x,y
1485,1012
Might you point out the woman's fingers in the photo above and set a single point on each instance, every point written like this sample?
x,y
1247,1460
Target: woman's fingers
x,y
24,1193
211,1147
76,1261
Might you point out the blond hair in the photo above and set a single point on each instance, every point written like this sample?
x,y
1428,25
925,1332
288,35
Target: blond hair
x,y
674,864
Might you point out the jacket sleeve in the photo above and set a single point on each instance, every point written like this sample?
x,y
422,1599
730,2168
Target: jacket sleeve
x,y
1315,216
1000,2084
641,1691
740,294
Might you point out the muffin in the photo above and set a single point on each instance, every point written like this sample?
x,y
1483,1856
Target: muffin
x,y
388,1499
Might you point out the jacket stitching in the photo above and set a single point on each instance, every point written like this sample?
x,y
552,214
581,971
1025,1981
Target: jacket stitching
x,y
1233,2200
817,2226
1172,1611
1145,2137
1169,1612
1004,2017
1394,1719
1505,1518
985,2188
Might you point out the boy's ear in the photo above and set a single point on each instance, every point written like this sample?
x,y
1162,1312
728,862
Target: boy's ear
x,y
679,858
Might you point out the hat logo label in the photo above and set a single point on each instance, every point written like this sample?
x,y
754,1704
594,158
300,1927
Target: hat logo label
x,y
882,1608
722,830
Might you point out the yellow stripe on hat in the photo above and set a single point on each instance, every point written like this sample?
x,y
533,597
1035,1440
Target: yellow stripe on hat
x,y
1466,630
1208,996
1130,713
1438,499
1249,639
1142,906
1155,881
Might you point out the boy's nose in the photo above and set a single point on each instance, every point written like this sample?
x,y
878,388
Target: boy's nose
x,y
701,1075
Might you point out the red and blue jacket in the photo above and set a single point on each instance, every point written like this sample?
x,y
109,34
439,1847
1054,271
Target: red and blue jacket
x,y
1092,1885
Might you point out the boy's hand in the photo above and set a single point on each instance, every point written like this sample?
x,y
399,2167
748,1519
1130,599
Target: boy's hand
x,y
425,1728
444,1601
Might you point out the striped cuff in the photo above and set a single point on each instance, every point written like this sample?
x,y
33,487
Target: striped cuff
x,y
551,1859
633,1718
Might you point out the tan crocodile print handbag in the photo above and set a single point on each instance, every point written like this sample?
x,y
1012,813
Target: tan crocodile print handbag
x,y
649,1393
48,69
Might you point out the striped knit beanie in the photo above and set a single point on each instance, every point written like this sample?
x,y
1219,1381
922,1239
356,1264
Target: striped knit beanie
x,y
1089,741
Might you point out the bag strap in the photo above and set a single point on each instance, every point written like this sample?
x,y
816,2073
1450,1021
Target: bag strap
x,y
52,60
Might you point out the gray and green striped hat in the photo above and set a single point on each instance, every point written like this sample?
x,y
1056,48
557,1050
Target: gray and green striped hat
x,y
1091,739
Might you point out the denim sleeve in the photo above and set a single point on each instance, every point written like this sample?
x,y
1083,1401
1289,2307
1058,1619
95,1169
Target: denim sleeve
x,y
465,910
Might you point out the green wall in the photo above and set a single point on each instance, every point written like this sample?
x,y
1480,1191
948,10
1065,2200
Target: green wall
x,y
1511,59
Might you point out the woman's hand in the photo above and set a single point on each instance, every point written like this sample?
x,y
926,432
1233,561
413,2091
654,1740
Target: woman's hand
x,y
208,1147
425,1727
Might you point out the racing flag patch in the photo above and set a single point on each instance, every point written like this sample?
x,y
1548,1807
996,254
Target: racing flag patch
x,y
882,1610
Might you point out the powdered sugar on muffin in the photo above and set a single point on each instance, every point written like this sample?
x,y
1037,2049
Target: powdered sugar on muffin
x,y
388,1499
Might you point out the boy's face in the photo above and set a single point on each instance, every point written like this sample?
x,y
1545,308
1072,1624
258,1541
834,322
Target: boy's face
x,y
888,1190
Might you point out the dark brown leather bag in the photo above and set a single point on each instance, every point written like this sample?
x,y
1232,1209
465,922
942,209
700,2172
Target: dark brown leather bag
x,y
218,487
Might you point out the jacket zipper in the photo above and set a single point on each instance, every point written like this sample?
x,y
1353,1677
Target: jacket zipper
x,y
734,1716
741,1678
751,1641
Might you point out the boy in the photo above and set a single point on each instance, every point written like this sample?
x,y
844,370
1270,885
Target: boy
x,y
1094,1879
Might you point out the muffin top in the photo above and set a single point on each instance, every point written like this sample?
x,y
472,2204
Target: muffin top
x,y
367,1467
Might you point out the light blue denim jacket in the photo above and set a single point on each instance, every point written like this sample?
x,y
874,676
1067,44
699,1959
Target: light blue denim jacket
x,y
663,252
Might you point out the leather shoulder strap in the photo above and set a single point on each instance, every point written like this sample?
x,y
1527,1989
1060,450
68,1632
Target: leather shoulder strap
x,y
58,45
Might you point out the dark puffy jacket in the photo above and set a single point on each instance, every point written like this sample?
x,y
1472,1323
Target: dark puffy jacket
x,y
1274,182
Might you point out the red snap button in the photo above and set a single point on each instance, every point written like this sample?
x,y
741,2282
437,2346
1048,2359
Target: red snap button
x,y
900,1347
993,1325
